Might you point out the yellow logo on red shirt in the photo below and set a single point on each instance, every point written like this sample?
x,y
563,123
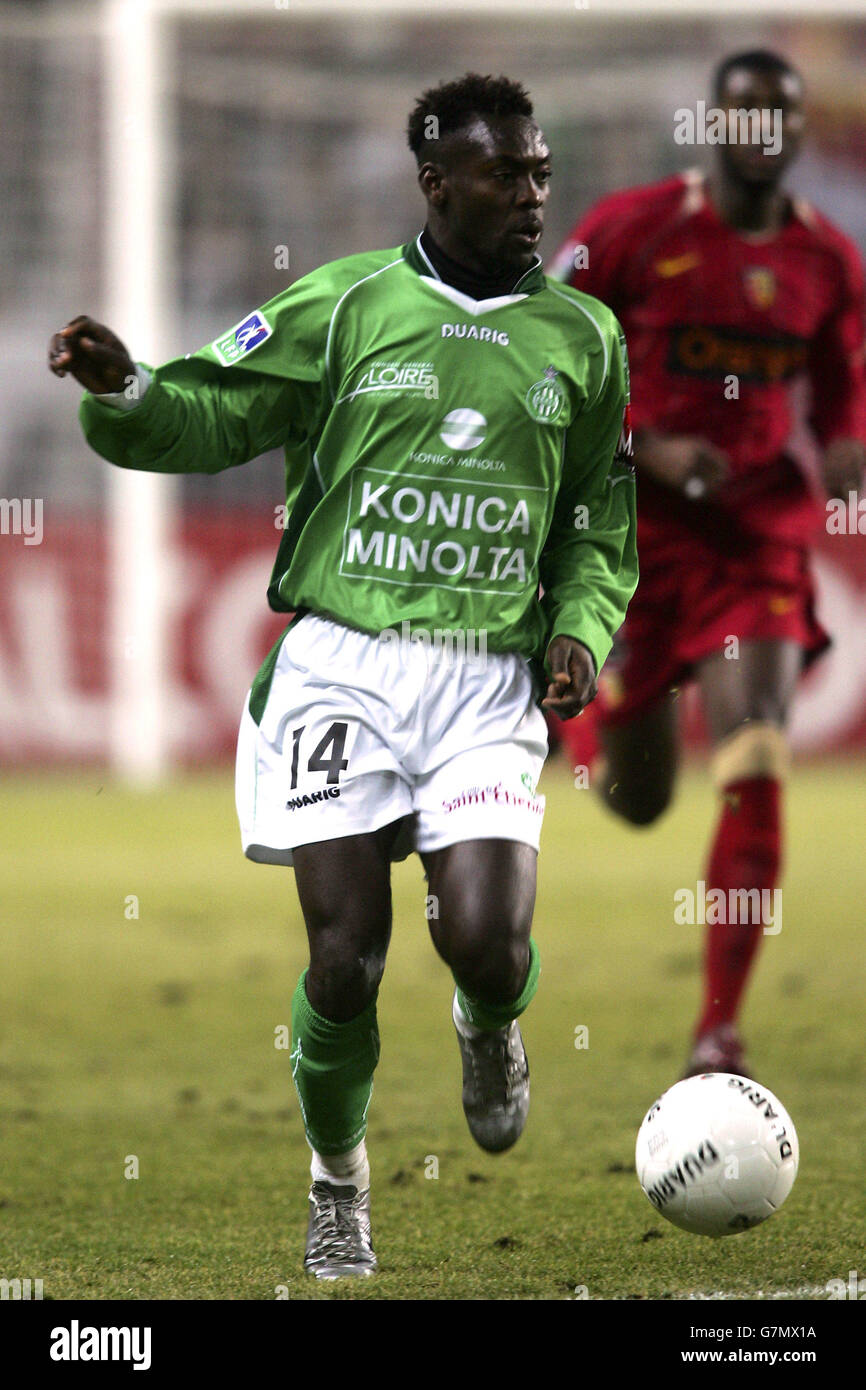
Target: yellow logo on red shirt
x,y
677,265
780,604
703,350
760,283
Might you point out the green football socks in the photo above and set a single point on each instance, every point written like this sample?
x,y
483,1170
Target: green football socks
x,y
333,1063
332,1067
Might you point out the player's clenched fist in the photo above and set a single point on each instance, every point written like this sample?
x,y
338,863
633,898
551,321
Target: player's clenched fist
x,y
572,684
93,354
684,462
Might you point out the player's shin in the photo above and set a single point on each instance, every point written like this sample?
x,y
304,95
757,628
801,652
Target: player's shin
x,y
332,1068
744,865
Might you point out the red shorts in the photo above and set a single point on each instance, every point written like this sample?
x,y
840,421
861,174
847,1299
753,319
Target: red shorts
x,y
694,594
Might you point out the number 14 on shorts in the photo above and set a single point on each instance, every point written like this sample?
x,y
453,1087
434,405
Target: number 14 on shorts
x,y
327,756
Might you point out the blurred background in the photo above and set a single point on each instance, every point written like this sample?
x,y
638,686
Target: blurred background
x,y
161,166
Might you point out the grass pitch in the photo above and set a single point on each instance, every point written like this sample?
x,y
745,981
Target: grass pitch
x,y
147,973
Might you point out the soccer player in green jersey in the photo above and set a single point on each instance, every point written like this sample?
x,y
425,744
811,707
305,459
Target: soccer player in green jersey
x,y
460,514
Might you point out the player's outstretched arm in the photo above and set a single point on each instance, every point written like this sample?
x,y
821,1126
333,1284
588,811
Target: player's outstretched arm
x,y
92,354
192,415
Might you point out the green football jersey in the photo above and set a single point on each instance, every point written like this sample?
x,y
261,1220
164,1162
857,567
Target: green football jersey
x,y
445,456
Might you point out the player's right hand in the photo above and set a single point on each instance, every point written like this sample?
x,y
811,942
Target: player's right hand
x,y
684,462
93,354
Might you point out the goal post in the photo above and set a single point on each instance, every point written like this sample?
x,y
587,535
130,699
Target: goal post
x,y
139,279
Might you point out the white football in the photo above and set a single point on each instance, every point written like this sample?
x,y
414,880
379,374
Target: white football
x,y
717,1154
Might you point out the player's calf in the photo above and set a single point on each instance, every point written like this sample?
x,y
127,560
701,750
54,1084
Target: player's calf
x,y
749,769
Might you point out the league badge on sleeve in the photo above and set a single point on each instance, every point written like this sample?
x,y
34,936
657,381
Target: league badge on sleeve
x,y
624,450
250,333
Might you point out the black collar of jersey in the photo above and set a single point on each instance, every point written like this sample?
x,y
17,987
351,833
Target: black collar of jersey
x,y
530,282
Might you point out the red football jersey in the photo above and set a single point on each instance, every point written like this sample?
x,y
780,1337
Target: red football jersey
x,y
719,323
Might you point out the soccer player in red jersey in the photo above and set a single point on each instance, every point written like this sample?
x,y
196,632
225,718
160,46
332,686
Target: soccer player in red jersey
x,y
728,288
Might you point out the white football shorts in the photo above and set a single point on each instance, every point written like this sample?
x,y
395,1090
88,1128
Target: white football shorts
x,y
358,732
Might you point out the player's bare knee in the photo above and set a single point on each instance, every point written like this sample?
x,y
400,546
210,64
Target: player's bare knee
x,y
340,985
347,962
756,748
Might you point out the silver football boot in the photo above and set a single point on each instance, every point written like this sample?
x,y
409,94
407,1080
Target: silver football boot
x,y
495,1085
339,1244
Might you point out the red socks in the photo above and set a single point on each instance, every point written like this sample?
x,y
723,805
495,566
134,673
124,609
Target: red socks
x,y
746,854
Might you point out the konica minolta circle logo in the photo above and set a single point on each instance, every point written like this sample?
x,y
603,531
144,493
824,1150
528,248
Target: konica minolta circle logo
x,y
463,429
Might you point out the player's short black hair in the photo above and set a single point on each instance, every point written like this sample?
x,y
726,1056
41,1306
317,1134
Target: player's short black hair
x,y
756,60
453,106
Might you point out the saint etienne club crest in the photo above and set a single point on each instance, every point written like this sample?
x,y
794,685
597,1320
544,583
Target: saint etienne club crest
x,y
760,285
545,400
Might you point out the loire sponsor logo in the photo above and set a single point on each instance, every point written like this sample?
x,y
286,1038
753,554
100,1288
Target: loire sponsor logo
x,y
414,377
